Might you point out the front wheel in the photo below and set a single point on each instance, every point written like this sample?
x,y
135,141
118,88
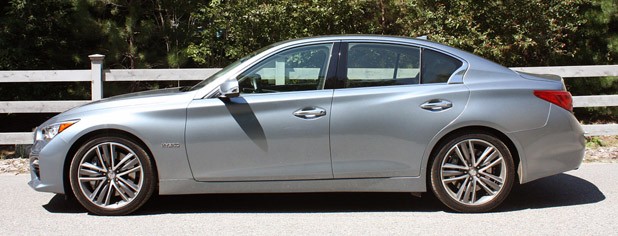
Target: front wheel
x,y
112,176
472,173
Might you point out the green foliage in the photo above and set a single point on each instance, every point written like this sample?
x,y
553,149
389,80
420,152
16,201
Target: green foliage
x,y
521,33
33,35
228,30
595,43
513,33
594,142
143,34
171,33
60,34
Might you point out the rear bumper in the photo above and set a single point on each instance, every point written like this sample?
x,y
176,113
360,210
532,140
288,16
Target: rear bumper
x,y
557,147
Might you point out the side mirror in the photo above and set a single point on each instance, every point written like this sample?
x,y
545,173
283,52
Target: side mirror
x,y
229,89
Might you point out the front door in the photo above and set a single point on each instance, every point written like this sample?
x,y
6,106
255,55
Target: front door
x,y
278,129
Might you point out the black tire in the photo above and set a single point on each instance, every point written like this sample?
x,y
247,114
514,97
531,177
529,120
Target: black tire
x,y
474,188
120,187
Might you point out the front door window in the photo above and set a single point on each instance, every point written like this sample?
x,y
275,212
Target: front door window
x,y
297,69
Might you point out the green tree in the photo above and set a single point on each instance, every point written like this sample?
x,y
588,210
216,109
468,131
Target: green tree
x,y
144,33
38,35
596,43
513,33
228,30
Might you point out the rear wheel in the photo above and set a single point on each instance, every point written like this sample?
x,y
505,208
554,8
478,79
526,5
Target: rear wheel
x,y
112,176
472,173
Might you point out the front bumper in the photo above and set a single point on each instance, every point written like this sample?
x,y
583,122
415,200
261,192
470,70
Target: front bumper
x,y
47,165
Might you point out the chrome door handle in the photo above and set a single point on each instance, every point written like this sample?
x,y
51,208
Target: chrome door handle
x,y
310,112
437,105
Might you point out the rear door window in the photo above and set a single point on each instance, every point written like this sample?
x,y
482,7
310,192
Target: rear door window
x,y
375,64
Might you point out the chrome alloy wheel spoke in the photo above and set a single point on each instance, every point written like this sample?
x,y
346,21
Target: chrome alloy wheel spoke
x,y
124,191
462,189
89,167
110,175
454,179
489,152
100,157
491,185
496,179
112,155
138,168
461,155
473,171
100,197
134,188
124,159
471,150
96,191
496,162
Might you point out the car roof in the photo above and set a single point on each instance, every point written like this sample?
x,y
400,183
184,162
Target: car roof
x,y
391,38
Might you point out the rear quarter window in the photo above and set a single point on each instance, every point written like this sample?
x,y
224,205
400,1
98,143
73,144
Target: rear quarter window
x,y
437,67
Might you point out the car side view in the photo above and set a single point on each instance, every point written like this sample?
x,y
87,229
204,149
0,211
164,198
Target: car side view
x,y
357,113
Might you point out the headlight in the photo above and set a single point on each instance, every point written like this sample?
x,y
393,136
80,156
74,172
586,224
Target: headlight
x,y
50,131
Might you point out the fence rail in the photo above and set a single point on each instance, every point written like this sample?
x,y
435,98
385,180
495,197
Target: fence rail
x,y
96,75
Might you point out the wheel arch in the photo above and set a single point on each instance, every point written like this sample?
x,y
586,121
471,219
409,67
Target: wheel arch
x,y
476,129
102,132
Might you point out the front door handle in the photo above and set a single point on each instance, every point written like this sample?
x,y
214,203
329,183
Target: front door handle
x,y
310,112
437,105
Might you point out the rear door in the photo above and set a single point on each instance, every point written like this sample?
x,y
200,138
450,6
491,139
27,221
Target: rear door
x,y
388,106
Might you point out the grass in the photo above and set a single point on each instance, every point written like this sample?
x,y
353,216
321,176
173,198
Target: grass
x,y
601,141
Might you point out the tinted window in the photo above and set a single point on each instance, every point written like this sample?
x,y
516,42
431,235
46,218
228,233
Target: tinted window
x,y
437,67
371,64
297,69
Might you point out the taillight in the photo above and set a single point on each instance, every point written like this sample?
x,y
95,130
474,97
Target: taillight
x,y
560,98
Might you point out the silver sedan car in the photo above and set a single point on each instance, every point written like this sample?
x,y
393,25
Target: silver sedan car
x,y
323,114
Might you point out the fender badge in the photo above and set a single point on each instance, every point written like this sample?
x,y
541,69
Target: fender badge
x,y
170,145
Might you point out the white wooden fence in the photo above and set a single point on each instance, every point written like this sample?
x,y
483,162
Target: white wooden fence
x,y
96,75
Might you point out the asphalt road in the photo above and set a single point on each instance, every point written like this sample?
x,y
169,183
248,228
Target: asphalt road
x,y
581,202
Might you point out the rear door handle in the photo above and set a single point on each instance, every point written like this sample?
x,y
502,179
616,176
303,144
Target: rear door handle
x,y
310,112
437,105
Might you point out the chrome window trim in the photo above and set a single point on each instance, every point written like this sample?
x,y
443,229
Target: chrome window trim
x,y
456,78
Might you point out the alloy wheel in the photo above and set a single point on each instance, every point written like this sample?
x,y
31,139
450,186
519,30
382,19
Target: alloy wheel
x,y
110,175
473,172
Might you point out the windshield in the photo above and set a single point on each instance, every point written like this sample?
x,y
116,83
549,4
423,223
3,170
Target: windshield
x,y
229,68
218,74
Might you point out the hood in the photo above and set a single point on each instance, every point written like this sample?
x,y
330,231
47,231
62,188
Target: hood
x,y
151,97
143,94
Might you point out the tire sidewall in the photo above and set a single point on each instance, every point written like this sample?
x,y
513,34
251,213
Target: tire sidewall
x,y
142,197
442,194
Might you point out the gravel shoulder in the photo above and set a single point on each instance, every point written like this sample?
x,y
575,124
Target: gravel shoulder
x,y
602,155
14,166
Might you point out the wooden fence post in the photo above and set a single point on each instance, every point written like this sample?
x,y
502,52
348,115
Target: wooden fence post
x,y
96,75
